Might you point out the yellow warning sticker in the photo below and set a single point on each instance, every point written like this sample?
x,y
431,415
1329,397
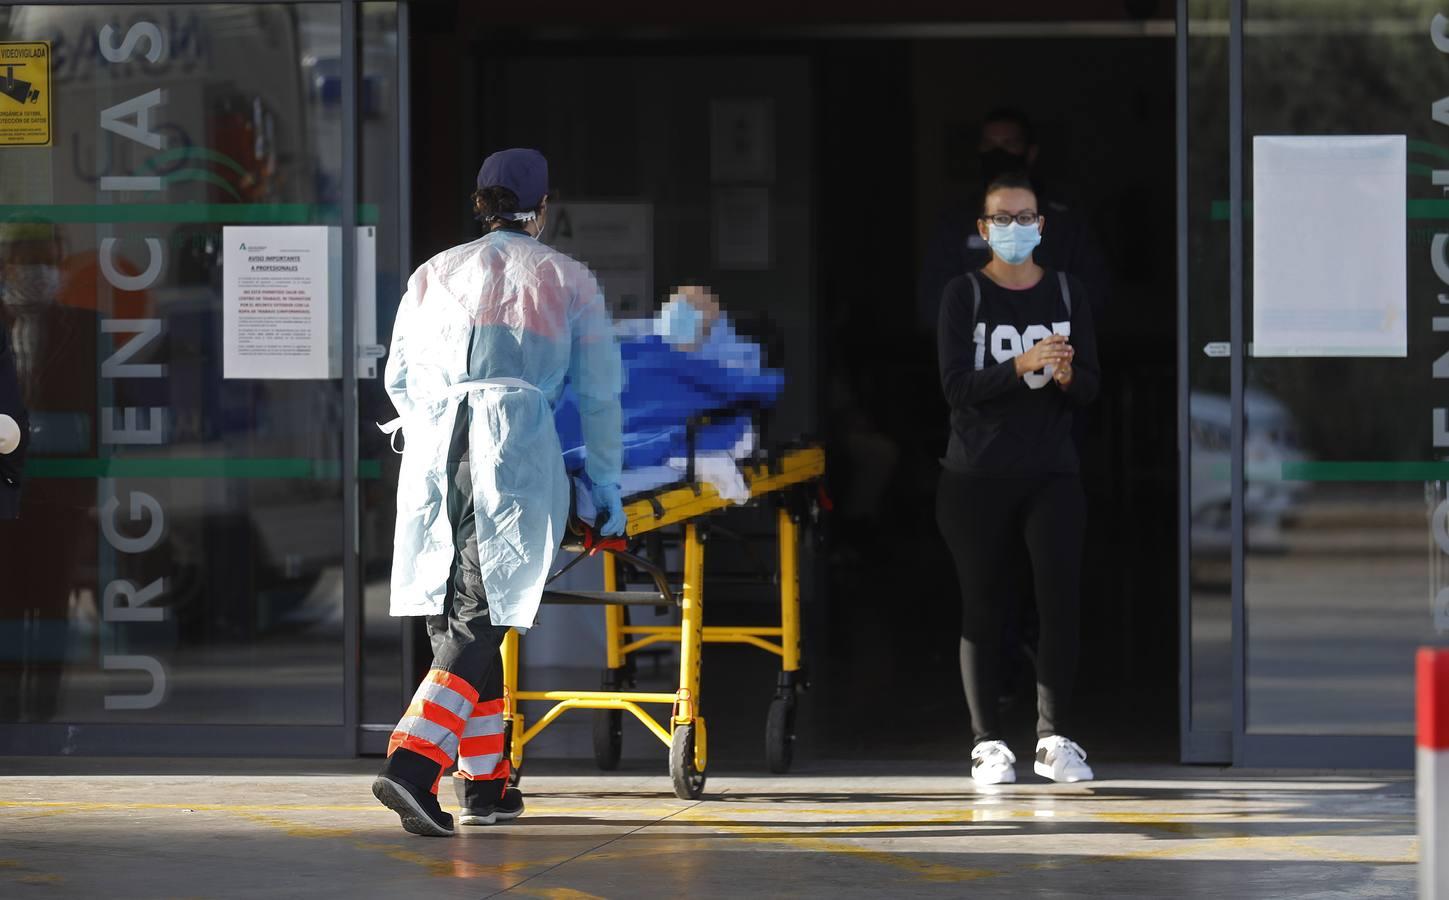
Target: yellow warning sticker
x,y
24,94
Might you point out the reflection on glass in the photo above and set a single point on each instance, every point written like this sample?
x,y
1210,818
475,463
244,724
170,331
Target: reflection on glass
x,y
1341,563
1336,603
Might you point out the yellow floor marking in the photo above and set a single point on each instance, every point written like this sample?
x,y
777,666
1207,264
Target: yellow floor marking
x,y
1257,848
905,816
435,866
558,893
1304,847
1193,848
40,879
926,871
537,807
299,829
191,807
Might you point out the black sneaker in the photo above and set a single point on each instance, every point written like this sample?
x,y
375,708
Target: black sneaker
x,y
480,804
418,808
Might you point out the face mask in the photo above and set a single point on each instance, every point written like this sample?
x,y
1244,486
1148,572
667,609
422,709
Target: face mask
x,y
1013,243
997,162
678,322
29,285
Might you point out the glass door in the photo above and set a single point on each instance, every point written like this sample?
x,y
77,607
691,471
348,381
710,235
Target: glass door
x,y
1315,430
187,550
1342,469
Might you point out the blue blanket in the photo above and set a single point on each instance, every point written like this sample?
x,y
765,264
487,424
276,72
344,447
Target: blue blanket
x,y
663,388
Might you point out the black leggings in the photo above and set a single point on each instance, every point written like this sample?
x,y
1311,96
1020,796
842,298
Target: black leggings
x,y
980,518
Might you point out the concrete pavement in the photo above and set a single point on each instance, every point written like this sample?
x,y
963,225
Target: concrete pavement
x,y
220,829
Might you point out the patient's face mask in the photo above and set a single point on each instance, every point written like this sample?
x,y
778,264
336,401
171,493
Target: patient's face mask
x,y
29,286
679,323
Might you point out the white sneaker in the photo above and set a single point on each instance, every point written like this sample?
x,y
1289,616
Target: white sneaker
x,y
1061,760
992,763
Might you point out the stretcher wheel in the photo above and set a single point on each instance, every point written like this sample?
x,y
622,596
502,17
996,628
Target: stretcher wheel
x,y
780,735
688,781
608,738
515,775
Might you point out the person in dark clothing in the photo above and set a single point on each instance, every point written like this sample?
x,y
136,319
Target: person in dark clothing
x,y
1018,357
14,431
1007,146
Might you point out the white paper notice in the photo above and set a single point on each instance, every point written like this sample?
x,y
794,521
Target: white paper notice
x,y
1330,270
616,242
275,302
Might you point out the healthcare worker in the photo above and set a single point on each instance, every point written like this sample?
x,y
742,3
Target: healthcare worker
x,y
1017,357
484,338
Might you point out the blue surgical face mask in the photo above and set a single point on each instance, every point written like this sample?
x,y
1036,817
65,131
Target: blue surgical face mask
x,y
1013,243
679,322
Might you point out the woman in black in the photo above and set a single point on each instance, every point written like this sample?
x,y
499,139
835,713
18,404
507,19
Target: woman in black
x,y
1017,356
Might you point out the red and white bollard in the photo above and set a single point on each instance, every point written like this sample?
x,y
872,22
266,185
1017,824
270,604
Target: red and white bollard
x,y
1433,774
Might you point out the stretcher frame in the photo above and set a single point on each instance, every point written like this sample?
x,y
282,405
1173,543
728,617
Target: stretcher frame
x,y
686,735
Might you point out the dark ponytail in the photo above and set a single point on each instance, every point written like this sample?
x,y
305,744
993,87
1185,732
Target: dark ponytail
x,y
495,206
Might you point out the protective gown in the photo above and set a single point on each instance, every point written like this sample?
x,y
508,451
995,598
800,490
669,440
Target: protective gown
x,y
497,324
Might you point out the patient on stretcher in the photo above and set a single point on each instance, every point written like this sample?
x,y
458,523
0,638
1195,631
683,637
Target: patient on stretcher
x,y
685,361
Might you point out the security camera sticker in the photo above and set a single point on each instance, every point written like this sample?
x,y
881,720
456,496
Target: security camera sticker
x,y
25,94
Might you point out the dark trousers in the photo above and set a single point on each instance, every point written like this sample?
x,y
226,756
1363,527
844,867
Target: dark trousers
x,y
464,639
439,727
981,518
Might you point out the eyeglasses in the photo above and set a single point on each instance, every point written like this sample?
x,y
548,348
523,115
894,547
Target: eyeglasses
x,y
1025,217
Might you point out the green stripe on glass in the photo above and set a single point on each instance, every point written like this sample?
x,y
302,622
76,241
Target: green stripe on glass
x,y
127,467
1415,209
1365,471
1350,471
185,213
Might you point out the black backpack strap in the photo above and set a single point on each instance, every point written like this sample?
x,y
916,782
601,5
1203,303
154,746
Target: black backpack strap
x,y
976,297
1066,292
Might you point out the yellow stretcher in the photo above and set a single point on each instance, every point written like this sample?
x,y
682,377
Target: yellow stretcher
x,y
685,733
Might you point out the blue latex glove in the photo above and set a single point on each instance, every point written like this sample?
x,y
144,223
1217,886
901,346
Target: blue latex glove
x,y
608,510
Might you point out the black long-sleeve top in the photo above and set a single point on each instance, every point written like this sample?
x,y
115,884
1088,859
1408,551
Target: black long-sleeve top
x,y
1003,424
